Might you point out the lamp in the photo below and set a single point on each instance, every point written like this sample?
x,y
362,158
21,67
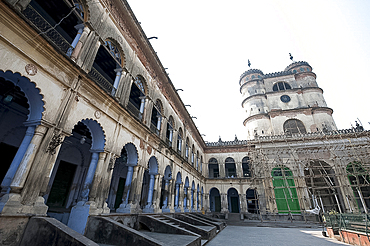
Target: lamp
x,y
83,140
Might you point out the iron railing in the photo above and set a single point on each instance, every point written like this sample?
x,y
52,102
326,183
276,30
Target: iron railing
x,y
47,30
102,81
154,128
169,142
136,112
352,222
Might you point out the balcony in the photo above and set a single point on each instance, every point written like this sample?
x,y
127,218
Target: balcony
x,y
46,30
169,142
100,80
135,111
154,128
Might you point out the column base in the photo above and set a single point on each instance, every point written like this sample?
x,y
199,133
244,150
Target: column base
x,y
80,213
10,204
166,210
127,208
186,210
179,210
148,209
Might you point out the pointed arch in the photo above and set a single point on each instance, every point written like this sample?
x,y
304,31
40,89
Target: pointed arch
x,y
97,134
167,173
132,154
178,178
32,93
153,165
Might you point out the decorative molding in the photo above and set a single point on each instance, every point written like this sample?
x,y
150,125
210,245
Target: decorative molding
x,y
54,143
31,69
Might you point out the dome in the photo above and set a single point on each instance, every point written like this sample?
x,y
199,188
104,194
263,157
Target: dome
x,y
300,66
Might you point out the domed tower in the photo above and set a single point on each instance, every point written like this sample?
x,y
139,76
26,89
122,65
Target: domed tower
x,y
286,102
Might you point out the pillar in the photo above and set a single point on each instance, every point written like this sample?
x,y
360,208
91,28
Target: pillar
x,y
224,203
149,206
84,208
157,193
80,28
116,80
177,197
165,207
89,176
5,185
124,206
29,155
186,200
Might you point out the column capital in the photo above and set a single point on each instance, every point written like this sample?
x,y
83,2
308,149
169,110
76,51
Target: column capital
x,y
79,26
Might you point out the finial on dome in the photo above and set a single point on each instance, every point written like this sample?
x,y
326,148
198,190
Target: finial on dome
x,y
249,63
290,56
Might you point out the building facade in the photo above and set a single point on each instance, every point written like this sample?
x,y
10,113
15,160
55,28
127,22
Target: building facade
x,y
91,124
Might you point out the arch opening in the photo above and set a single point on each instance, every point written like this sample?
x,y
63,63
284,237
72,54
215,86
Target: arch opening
x,y
233,200
214,200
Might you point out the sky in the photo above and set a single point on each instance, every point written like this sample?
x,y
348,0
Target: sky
x,y
206,46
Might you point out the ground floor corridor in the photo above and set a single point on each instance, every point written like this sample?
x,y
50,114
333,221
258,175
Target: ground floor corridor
x,y
266,236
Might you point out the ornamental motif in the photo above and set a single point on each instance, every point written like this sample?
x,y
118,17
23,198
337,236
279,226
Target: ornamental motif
x,y
31,69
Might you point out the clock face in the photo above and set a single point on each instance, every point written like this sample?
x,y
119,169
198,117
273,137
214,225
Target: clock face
x,y
285,98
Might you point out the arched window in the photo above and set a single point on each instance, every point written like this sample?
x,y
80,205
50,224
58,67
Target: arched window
x,y
281,86
156,119
197,161
169,132
187,149
107,68
213,168
136,101
246,167
179,141
230,169
294,126
192,155
201,163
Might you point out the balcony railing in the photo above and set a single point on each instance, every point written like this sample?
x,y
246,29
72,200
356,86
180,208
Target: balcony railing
x,y
169,142
136,112
47,30
102,81
154,128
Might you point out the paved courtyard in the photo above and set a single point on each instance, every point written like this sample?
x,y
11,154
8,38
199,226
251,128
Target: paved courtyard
x,y
241,235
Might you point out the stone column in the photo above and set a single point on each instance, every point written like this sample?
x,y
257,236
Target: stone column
x,y
181,198
149,206
5,185
206,205
81,211
177,196
165,208
224,203
80,42
157,193
116,80
125,207
186,199
25,165
80,28
12,202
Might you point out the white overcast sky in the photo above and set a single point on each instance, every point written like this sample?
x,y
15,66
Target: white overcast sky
x,y
206,45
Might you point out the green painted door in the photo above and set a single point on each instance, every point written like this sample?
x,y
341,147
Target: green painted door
x,y
285,191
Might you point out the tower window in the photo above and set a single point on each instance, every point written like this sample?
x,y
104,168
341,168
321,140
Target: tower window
x,y
281,86
294,126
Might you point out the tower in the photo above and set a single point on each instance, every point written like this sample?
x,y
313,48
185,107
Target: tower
x,y
286,102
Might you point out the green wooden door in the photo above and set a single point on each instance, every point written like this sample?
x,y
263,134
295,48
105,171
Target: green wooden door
x,y
285,191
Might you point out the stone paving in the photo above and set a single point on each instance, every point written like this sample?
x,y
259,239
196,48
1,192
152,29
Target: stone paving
x,y
267,236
